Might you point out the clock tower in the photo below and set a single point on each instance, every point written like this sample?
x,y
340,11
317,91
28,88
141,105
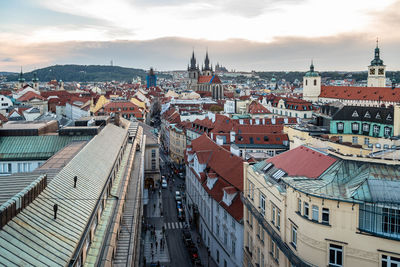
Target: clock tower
x,y
377,71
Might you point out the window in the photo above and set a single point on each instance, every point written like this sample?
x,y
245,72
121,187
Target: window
x,y
233,247
306,82
225,215
335,255
251,190
294,236
251,140
233,223
340,139
389,261
262,260
387,131
273,215
355,127
225,238
299,206
315,212
325,215
376,130
315,81
366,141
262,204
225,263
217,229
355,140
278,220
217,255
365,128
306,210
340,126
391,221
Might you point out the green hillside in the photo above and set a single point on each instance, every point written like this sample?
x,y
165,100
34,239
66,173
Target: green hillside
x,y
83,73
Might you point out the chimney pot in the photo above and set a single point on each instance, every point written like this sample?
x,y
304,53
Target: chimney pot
x,y
55,208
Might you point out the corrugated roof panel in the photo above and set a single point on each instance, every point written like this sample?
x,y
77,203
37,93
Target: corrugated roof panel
x,y
35,147
92,165
384,191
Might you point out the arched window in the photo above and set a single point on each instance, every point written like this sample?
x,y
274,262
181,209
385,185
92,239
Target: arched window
x,y
315,81
306,82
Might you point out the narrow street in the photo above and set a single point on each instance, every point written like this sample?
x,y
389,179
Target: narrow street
x,y
160,212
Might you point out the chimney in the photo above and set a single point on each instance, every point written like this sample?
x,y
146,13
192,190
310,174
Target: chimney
x,y
232,136
55,208
75,180
235,150
220,140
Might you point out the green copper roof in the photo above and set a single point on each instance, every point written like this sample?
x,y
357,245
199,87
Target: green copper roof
x,y
311,72
34,147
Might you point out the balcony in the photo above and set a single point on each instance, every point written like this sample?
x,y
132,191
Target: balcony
x,y
292,257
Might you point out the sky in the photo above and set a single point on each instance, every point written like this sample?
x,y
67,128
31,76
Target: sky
x,y
242,35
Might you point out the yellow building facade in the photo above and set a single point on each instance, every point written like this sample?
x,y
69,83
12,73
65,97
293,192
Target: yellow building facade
x,y
329,220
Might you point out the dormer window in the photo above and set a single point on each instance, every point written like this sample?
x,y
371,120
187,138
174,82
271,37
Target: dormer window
x,y
378,116
389,117
367,115
355,114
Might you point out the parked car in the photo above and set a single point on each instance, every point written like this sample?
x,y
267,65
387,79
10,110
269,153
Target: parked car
x,y
178,195
193,253
179,204
181,215
187,238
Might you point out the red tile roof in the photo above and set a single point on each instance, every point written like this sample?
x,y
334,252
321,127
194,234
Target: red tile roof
x,y
303,161
232,172
208,79
257,108
28,96
361,93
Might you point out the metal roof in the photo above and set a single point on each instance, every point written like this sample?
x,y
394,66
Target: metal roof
x,y
35,147
12,184
33,237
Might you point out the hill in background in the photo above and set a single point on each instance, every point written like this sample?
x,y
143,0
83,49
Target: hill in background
x,y
82,73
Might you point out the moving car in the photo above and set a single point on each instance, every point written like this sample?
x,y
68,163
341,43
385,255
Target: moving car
x,y
178,195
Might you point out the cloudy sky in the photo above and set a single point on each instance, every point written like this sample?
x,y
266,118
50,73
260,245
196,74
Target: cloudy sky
x,y
239,34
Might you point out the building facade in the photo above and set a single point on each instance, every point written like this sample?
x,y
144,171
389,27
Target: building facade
x,y
307,208
213,199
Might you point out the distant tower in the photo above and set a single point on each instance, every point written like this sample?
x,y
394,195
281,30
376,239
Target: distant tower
x,y
151,79
193,69
35,81
21,80
377,71
207,70
311,85
60,85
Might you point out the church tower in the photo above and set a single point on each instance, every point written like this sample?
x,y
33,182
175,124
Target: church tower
x,y
35,81
193,69
21,80
207,70
311,85
376,71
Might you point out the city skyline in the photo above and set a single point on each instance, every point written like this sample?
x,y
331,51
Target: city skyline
x,y
261,35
